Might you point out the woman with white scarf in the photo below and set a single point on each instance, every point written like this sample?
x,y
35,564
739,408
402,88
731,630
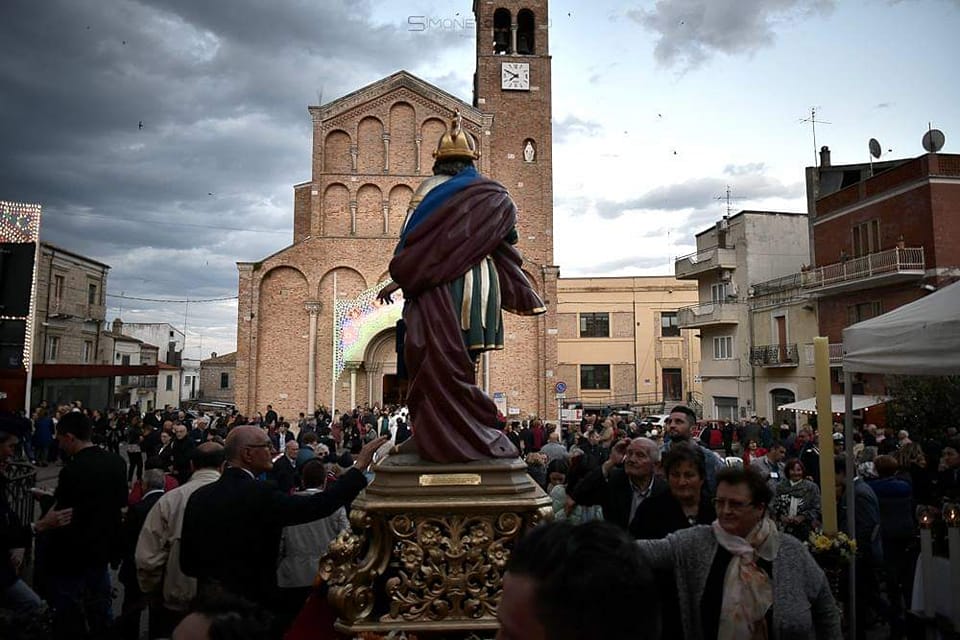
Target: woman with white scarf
x,y
742,579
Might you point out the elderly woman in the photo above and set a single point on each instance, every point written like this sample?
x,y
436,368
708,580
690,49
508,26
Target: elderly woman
x,y
797,504
740,578
686,503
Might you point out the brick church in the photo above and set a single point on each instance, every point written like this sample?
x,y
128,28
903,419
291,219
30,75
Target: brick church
x,y
371,149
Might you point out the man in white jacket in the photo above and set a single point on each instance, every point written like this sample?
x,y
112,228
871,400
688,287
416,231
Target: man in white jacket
x,y
158,547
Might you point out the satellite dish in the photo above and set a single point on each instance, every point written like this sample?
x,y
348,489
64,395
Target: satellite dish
x,y
875,149
933,140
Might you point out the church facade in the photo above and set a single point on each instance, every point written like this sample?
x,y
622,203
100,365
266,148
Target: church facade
x,y
371,149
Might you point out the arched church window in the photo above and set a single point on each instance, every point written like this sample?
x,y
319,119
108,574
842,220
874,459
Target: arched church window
x,y
525,35
501,31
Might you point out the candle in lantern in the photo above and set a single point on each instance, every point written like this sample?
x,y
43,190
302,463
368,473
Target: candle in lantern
x,y
951,514
927,517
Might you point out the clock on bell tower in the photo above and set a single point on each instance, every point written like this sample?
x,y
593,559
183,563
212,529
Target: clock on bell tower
x,y
512,88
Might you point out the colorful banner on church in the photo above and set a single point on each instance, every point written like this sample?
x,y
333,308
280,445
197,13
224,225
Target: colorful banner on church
x,y
356,322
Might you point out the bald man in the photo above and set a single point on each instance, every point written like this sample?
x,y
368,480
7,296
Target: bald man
x,y
624,481
232,527
158,547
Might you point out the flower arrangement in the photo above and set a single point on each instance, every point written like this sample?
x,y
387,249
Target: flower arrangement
x,y
838,547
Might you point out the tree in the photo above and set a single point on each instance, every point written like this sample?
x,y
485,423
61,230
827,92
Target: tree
x,y
924,405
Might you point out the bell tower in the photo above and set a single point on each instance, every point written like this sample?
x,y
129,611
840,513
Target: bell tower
x,y
512,87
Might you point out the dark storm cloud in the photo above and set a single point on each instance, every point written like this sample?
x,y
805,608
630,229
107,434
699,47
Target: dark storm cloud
x,y
691,31
220,89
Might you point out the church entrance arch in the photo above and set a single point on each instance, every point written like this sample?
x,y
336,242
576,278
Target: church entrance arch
x,y
380,364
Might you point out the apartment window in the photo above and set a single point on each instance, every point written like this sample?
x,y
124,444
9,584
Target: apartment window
x,y
87,355
169,383
723,348
58,285
53,348
866,238
594,325
726,408
92,294
594,376
186,381
669,328
718,292
224,380
863,311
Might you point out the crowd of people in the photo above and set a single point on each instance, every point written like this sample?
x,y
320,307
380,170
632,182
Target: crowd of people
x,y
200,513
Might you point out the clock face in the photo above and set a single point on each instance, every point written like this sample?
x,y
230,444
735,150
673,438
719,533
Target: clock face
x,y
515,76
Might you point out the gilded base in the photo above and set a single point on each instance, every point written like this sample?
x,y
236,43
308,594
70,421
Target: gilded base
x,y
429,544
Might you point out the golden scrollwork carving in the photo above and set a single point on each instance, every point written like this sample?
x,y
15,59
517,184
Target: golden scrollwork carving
x,y
449,566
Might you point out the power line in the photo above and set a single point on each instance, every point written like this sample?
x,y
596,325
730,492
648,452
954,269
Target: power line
x,y
186,300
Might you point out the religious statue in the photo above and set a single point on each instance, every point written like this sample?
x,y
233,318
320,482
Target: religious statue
x,y
529,153
457,267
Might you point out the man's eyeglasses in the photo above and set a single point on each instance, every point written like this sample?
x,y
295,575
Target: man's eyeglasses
x,y
733,505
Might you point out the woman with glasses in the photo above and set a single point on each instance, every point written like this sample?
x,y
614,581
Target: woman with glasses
x,y
742,578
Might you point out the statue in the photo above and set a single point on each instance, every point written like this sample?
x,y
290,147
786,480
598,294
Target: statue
x,y
529,153
457,267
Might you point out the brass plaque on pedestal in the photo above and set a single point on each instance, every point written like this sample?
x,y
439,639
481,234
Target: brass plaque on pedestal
x,y
429,544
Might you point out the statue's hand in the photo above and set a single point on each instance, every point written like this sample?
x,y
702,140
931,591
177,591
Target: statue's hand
x,y
386,294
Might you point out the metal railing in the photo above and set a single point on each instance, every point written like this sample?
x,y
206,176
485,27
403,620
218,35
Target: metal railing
x,y
19,478
836,353
707,313
775,355
883,262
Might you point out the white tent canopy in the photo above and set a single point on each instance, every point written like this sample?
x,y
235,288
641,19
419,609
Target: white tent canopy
x,y
809,405
920,338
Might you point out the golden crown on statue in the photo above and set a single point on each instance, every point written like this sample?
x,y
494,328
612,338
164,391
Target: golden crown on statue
x,y
456,143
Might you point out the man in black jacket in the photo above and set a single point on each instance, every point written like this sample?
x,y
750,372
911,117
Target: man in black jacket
x,y
620,490
285,473
232,527
94,485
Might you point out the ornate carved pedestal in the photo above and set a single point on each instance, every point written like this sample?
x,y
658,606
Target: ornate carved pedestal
x,y
429,545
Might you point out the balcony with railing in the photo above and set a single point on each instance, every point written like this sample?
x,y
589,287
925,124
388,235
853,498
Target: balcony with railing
x,y
775,355
836,354
709,314
692,265
872,270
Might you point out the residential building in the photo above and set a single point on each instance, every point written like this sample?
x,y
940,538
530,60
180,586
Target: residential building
x,y
881,236
72,358
217,378
748,247
619,342
168,339
190,386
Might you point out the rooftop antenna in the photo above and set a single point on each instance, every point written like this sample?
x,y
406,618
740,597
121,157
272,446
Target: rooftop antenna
x,y
813,126
875,151
728,198
933,139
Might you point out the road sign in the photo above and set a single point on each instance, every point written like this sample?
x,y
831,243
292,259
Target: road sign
x,y
561,387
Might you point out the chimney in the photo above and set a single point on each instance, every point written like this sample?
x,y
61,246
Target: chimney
x,y
117,326
213,354
824,156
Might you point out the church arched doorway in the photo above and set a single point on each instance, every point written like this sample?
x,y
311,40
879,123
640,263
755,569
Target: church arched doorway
x,y
380,364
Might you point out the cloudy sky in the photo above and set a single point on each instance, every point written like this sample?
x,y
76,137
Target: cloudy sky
x,y
658,106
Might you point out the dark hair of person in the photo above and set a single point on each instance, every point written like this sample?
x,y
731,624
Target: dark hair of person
x,y
558,466
451,166
691,416
791,463
313,474
233,618
886,466
760,491
840,464
310,438
681,452
588,578
206,457
6,437
77,424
